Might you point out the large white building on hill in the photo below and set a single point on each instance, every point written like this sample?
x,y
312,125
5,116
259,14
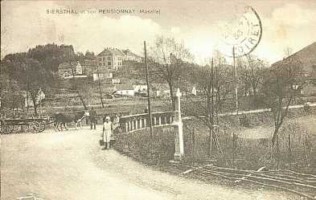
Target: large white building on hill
x,y
110,58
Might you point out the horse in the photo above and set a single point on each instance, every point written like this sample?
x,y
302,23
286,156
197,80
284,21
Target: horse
x,y
61,119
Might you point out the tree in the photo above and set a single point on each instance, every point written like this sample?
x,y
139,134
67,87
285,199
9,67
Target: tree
x,y
51,55
251,70
9,91
29,74
32,78
282,84
168,57
214,82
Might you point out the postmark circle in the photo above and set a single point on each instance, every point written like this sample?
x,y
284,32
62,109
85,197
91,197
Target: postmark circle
x,y
243,35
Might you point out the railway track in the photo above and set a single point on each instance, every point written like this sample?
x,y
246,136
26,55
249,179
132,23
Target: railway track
x,y
300,184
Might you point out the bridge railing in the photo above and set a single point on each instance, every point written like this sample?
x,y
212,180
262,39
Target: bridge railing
x,y
140,121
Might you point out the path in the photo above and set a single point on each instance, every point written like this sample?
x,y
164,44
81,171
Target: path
x,y
71,166
244,112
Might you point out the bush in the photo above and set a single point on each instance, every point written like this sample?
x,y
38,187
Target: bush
x,y
140,146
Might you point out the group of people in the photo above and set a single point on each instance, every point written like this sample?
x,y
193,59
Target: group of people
x,y
108,127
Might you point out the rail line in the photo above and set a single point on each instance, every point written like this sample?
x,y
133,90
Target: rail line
x,y
300,184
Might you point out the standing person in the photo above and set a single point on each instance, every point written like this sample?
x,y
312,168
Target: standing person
x,y
93,120
146,110
116,121
107,132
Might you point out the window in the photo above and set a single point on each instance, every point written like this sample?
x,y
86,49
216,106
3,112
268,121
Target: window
x,y
109,63
109,57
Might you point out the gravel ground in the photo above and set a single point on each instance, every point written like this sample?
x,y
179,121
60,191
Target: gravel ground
x,y
70,165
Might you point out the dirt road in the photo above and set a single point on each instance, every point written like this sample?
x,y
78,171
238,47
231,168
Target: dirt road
x,y
71,166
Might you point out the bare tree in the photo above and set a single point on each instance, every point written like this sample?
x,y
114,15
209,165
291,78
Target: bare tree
x,y
251,71
215,83
100,89
75,86
32,78
168,57
288,51
281,86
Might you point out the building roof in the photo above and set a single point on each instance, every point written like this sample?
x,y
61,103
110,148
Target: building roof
x,y
124,87
306,56
128,52
111,51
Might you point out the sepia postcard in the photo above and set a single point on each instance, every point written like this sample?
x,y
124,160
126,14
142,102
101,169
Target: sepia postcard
x,y
158,100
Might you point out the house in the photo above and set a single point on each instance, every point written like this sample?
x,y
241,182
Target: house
x,y
131,56
124,90
68,70
110,58
193,91
140,88
307,58
116,81
102,76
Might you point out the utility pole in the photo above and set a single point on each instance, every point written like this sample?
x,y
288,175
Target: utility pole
x,y
212,111
148,92
100,90
236,82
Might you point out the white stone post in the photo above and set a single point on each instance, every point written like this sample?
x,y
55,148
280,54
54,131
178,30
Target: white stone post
x,y
126,127
136,124
141,123
145,122
178,127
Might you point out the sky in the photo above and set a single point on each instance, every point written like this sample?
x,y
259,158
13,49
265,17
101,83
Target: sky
x,y
25,24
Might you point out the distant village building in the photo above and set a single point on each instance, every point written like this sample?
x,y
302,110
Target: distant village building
x,y
124,90
102,76
68,70
110,58
193,91
131,56
140,88
116,81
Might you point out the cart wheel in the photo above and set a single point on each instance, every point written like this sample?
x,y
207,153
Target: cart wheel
x,y
42,126
16,128
34,127
7,129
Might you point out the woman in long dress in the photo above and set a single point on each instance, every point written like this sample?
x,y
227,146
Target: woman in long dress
x,y
107,132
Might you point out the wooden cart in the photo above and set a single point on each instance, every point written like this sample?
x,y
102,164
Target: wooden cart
x,y
34,125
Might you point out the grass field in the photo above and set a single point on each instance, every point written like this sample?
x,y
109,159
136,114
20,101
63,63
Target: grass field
x,y
250,148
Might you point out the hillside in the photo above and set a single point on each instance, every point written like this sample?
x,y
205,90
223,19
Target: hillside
x,y
307,56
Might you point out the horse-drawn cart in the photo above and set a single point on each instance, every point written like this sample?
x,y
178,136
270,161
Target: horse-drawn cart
x,y
34,125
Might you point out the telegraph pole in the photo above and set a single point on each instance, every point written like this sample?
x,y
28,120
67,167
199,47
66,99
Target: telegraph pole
x,y
236,82
212,111
148,92
100,90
